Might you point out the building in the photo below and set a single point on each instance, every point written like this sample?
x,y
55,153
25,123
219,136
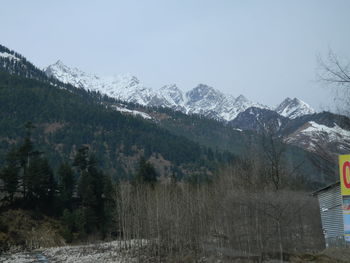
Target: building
x,y
331,209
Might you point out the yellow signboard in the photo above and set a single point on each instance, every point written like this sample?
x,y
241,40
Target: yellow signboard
x,y
344,169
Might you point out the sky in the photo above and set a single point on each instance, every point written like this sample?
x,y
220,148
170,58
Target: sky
x,y
265,50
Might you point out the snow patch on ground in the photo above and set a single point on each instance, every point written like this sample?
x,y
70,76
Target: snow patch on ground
x,y
108,252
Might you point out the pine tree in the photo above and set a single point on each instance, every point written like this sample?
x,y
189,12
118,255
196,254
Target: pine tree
x,y
68,224
146,173
66,184
25,151
40,183
9,174
81,159
108,206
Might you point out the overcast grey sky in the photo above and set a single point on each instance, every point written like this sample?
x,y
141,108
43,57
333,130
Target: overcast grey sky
x,y
265,50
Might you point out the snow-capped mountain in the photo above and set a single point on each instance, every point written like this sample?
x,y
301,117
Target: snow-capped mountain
x,y
123,87
314,136
173,97
74,77
293,108
212,103
203,99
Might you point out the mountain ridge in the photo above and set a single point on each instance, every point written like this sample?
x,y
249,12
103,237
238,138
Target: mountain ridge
x,y
202,99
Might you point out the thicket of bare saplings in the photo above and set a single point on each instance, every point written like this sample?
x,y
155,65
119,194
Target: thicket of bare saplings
x,y
240,214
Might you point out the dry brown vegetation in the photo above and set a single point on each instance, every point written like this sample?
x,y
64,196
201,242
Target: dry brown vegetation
x,y
238,216
24,230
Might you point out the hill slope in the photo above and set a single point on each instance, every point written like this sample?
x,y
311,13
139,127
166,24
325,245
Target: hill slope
x,y
66,121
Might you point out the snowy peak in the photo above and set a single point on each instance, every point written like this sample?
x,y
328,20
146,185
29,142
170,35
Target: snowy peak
x,y
126,80
173,95
59,64
73,76
123,87
241,100
293,108
204,92
206,101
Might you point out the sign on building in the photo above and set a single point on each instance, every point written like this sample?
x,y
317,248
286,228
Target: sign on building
x,y
344,171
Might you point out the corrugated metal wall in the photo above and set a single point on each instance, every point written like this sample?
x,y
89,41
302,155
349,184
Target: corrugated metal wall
x,y
332,216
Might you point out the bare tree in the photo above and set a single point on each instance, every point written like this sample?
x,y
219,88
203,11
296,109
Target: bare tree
x,y
336,73
243,214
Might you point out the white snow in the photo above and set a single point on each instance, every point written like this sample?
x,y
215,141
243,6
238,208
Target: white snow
x,y
122,87
314,135
115,251
293,108
8,55
133,112
333,133
203,99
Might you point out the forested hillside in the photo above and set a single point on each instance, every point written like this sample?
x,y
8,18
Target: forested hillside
x,y
64,121
246,144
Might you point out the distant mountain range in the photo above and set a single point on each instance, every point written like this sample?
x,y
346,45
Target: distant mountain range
x,y
293,120
203,99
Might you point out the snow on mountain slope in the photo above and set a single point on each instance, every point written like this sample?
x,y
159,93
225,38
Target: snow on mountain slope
x,y
172,94
8,55
132,112
240,104
313,135
75,77
212,103
293,108
173,97
123,87
203,99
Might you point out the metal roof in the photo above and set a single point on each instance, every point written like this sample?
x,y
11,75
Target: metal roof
x,y
326,188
